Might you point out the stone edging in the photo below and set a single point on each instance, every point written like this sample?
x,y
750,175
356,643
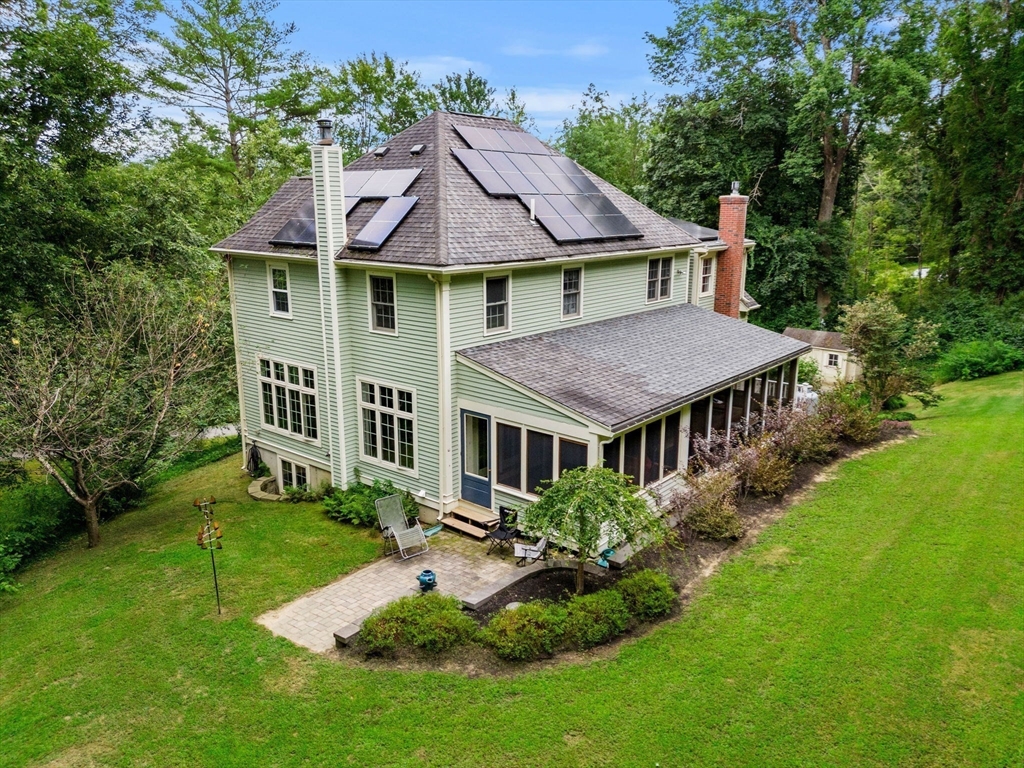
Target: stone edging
x,y
257,492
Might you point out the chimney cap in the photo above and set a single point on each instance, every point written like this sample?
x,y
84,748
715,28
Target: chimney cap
x,y
735,188
325,126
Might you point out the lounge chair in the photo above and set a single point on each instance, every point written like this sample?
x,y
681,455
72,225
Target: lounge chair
x,y
505,534
533,552
408,540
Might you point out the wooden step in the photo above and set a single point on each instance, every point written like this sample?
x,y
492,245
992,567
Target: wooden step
x,y
482,516
464,527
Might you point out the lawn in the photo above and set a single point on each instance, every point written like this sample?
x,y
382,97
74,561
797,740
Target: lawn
x,y
880,623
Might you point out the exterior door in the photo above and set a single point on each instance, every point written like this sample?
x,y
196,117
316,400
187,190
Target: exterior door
x,y
476,458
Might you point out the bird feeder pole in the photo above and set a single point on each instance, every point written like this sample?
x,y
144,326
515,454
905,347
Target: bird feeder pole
x,y
209,537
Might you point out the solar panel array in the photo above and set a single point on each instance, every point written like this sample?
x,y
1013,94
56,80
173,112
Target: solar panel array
x,y
563,198
384,222
300,230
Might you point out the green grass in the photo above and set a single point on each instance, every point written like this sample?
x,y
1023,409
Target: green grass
x,y
880,623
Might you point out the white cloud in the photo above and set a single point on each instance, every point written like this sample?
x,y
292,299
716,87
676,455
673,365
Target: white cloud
x,y
557,101
588,49
433,68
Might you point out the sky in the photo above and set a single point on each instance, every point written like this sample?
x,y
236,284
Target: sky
x,y
549,51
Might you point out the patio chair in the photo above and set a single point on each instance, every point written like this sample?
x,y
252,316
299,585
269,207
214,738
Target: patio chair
x,y
533,552
505,535
408,540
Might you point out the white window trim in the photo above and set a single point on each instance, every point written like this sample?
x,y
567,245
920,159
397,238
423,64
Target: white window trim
x,y
315,391
369,302
280,472
376,460
671,278
829,364
700,276
508,303
271,266
561,293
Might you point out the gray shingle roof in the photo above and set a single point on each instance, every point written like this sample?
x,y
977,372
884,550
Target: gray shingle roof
x,y
622,371
824,339
455,221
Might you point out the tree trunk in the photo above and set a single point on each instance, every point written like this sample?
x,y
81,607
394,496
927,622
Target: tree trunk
x,y
579,575
92,521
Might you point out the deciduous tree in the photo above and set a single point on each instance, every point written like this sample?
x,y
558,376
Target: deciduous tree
x,y
588,508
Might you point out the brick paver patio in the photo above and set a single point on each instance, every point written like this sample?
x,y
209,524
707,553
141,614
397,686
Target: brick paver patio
x,y
461,565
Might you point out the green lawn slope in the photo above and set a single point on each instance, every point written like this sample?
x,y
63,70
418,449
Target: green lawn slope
x,y
880,623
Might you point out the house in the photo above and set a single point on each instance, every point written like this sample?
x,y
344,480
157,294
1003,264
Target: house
x,y
467,313
829,353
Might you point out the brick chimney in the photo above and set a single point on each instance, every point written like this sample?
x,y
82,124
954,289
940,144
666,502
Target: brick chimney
x,y
732,226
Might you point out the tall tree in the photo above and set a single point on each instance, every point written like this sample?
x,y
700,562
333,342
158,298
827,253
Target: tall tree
x,y
855,65
465,93
611,141
228,67
375,98
971,131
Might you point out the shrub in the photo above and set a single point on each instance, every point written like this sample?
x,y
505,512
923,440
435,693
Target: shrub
x,y
595,619
529,632
355,504
901,416
975,359
431,622
709,508
35,517
850,416
295,494
771,474
808,372
648,593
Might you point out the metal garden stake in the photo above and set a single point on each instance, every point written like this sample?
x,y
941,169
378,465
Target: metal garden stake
x,y
209,537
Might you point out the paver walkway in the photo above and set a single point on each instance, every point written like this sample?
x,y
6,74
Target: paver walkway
x,y
461,565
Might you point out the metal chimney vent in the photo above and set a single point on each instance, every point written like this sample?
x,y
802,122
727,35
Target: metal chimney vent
x,y
325,126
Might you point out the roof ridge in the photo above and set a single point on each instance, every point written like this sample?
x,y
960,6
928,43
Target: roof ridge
x,y
442,191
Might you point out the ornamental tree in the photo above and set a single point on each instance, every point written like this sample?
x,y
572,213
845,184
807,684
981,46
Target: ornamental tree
x,y
588,508
891,351
106,387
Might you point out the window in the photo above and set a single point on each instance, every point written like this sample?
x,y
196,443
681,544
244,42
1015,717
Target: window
x,y
659,279
293,475
510,456
496,304
833,360
647,453
388,424
707,275
289,397
477,459
572,288
382,304
537,464
280,302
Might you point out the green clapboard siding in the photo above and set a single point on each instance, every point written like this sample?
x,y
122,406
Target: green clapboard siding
x,y
610,289
298,340
407,360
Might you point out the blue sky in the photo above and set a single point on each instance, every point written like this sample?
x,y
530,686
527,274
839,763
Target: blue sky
x,y
550,51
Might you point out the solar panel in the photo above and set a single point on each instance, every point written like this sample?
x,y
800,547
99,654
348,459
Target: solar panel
x,y
350,203
576,175
483,138
583,228
354,180
389,183
383,223
526,143
502,163
555,174
550,219
481,170
299,230
534,174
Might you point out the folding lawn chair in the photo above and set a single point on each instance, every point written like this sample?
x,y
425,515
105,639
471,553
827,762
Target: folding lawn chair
x,y
407,539
533,552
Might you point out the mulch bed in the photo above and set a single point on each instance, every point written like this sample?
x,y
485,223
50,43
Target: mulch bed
x,y
687,559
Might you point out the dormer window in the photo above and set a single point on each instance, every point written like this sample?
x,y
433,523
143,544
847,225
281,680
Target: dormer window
x,y
280,300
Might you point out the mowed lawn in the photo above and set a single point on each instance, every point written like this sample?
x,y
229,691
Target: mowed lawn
x,y
880,623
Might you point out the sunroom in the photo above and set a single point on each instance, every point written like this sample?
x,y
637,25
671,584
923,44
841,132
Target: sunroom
x,y
631,392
